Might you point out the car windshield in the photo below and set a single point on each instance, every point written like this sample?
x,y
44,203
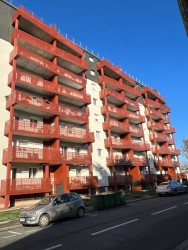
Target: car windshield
x,y
164,183
46,200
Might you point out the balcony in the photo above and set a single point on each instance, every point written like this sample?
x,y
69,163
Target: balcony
x,y
51,156
48,51
118,86
34,105
165,163
41,130
30,61
116,126
161,138
121,180
114,72
148,178
137,132
152,94
39,85
82,182
119,113
159,127
164,177
120,160
117,99
25,186
34,26
126,144
155,115
164,151
157,105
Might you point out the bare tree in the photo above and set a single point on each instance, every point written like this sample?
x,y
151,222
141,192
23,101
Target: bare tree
x,y
184,148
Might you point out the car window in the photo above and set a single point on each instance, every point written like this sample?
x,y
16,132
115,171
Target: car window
x,y
64,198
72,197
178,184
173,184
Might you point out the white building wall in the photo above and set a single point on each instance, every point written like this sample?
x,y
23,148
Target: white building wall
x,y
100,168
5,69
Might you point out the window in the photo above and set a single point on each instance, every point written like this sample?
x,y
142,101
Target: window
x,y
93,86
64,148
32,172
33,119
72,197
77,149
99,152
92,72
23,143
96,118
78,172
91,59
97,134
94,101
14,170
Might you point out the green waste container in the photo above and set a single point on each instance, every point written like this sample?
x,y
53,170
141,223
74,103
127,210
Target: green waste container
x,y
97,202
106,200
117,197
112,200
122,198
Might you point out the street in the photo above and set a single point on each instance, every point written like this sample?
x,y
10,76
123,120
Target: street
x,y
157,223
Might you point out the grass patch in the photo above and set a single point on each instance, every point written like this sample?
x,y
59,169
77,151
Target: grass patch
x,y
10,215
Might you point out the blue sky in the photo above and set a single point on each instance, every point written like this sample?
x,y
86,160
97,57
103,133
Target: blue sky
x,y
147,38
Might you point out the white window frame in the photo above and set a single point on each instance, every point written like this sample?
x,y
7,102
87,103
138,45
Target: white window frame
x,y
92,72
99,152
91,59
97,134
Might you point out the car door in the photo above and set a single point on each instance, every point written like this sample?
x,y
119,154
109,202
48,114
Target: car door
x,y
180,187
61,207
74,203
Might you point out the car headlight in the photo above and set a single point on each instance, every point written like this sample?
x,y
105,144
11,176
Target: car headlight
x,y
31,213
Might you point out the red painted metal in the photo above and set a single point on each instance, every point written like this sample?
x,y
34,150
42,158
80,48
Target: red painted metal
x,y
115,124
158,114
164,150
164,177
82,182
117,70
153,92
125,161
158,105
121,180
25,186
161,137
159,126
148,178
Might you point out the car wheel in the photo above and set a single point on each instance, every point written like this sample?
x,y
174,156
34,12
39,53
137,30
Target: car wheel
x,y
80,212
44,220
175,192
159,194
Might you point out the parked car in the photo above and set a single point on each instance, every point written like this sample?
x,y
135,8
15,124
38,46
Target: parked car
x,y
172,187
52,208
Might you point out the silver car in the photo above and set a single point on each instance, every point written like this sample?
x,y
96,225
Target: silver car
x,y
52,208
171,187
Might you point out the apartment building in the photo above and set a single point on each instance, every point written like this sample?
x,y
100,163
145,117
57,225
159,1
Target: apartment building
x,y
72,121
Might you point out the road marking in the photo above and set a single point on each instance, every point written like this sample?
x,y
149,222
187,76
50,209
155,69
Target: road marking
x,y
92,214
32,231
185,203
164,210
14,232
10,236
56,246
110,228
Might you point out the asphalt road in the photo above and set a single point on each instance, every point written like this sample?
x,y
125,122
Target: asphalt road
x,y
156,224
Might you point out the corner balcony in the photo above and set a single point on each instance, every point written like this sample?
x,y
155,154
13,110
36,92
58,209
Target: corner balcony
x,y
160,127
34,26
126,144
121,180
25,186
117,99
155,115
118,86
82,182
114,72
116,126
39,85
46,131
51,156
161,138
119,113
148,178
152,94
164,151
30,61
120,160
157,105
31,104
48,51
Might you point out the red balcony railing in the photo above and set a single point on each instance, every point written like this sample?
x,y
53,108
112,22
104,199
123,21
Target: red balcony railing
x,y
161,137
114,84
36,82
120,98
157,115
116,125
25,186
158,105
165,163
164,150
148,178
136,131
121,160
158,126
121,180
35,155
38,103
82,182
154,93
126,144
164,177
78,134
